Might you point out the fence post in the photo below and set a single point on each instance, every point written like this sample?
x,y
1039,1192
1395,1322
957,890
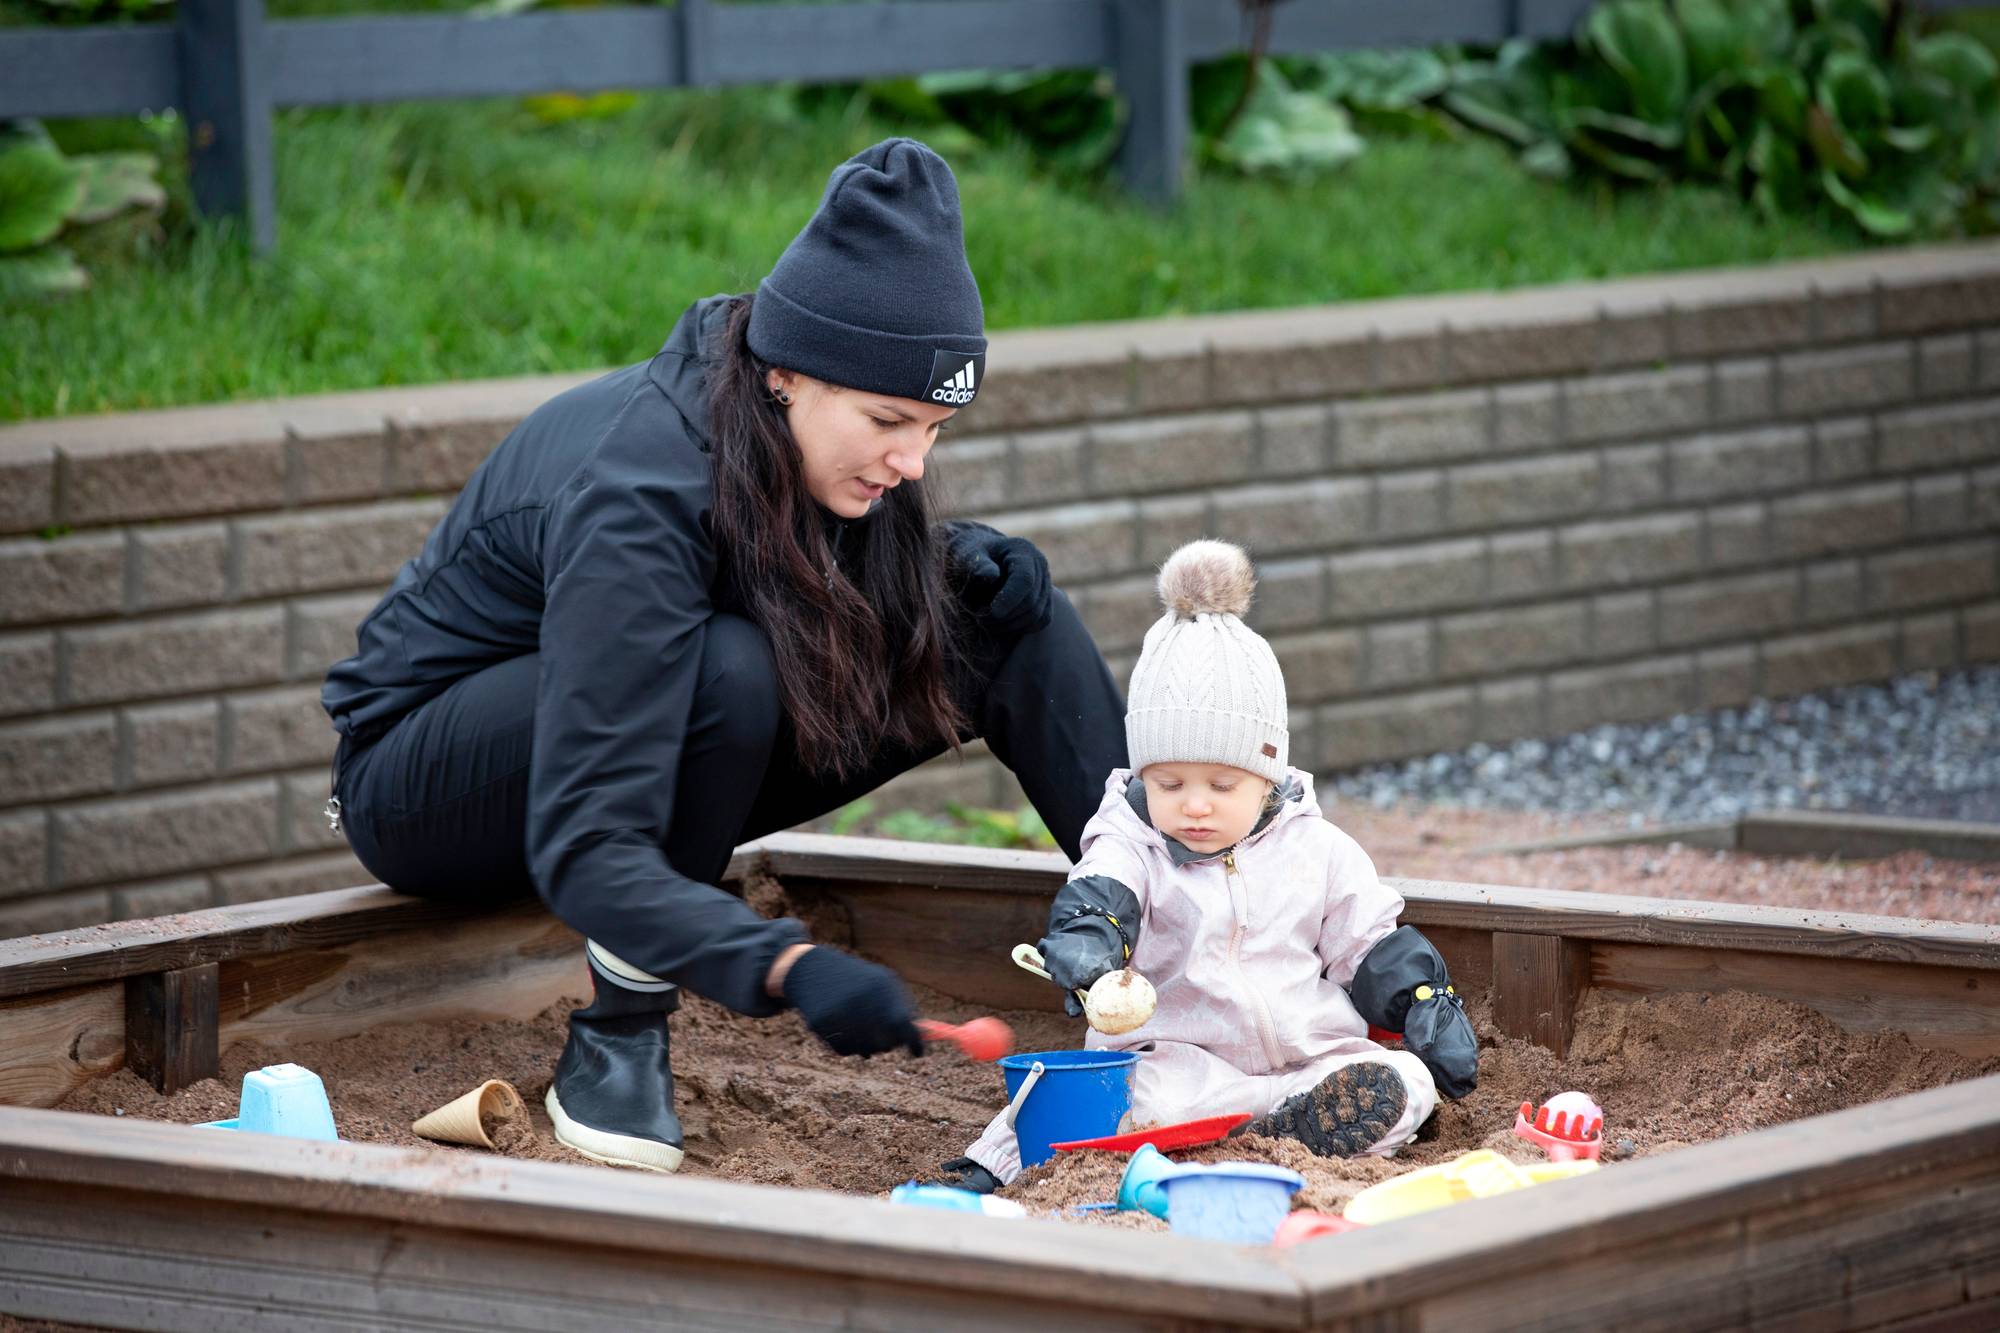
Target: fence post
x,y
226,96
1151,44
697,22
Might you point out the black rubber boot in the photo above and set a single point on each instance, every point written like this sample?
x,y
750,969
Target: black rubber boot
x,y
1343,1115
971,1175
613,1094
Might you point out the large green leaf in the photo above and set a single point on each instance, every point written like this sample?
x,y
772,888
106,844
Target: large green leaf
x,y
1868,18
114,182
1726,37
38,188
1638,40
1773,160
1856,94
1833,146
1376,80
1877,216
1282,129
40,274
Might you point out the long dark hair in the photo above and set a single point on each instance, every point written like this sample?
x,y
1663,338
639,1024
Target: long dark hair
x,y
865,654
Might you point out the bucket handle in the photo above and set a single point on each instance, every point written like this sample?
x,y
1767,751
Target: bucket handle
x,y
1021,1097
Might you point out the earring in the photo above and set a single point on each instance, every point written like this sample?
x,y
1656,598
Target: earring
x,y
784,399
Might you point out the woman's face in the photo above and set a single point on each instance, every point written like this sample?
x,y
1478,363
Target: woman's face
x,y
857,446
1205,806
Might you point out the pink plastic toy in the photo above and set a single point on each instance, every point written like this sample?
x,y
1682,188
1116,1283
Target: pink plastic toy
x,y
1569,1126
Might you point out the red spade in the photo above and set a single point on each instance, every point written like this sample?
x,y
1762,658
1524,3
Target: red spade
x,y
981,1039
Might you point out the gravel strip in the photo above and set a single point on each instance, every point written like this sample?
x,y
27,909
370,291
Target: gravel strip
x,y
1924,745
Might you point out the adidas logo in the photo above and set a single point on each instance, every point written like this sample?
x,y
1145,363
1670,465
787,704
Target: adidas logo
x,y
958,390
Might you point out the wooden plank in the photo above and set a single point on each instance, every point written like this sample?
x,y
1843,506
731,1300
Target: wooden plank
x,y
867,1256
1215,27
170,1027
1537,980
951,940
53,1043
1954,1009
1864,837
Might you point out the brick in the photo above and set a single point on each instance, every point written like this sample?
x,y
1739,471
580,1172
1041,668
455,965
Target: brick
x,y
1370,730
973,477
1928,437
60,911
1984,498
27,486
70,578
320,631
1852,519
1524,491
1934,300
1522,564
1527,416
1400,654
1745,391
24,853
1325,664
1167,523
1747,606
436,457
1931,575
1050,467
1518,637
1408,358
106,481
1644,402
1632,329
1272,357
1304,740
1509,710
1171,453
1940,505
1738,535
1843,449
1832,591
339,466
1295,515
27,673
302,824
49,758
1844,309
1709,467
1813,383
157,835
180,655
1711,328
1291,594
1930,643
1627,551
273,729
283,879
1409,504
1046,378
332,548
1119,614
1725,677
1403,579
1945,365
1403,432
1293,440
1635,476
1621,624
1629,692
163,897
1548,333
1981,625
1848,656
1987,359
1181,379
170,743
183,565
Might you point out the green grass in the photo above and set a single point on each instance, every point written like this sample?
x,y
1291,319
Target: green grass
x,y
433,242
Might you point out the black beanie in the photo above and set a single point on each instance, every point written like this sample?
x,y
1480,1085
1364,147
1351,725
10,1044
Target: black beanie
x,y
875,293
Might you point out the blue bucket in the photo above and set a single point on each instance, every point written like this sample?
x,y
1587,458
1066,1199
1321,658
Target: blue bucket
x,y
1080,1095
1235,1201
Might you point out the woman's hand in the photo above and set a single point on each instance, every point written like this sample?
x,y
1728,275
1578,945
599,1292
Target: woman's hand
x,y
855,1007
1004,581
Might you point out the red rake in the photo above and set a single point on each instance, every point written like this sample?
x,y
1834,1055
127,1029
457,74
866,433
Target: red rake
x,y
1567,1127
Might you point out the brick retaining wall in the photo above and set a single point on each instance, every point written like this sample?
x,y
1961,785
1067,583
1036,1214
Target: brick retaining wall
x,y
1475,517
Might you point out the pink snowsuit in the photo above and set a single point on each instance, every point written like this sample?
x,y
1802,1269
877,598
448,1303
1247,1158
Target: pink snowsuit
x,y
1250,950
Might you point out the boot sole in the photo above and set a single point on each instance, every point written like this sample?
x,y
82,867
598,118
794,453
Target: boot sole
x,y
1344,1115
612,1149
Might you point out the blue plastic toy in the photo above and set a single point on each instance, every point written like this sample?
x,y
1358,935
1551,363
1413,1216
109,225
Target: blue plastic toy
x,y
954,1199
282,1099
1139,1188
1074,1095
1235,1201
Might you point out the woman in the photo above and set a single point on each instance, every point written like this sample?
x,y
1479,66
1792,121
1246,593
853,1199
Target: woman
x,y
701,599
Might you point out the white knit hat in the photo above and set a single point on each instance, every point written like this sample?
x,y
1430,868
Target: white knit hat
x,y
1207,688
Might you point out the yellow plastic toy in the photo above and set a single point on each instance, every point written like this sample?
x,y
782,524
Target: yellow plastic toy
x,y
1475,1175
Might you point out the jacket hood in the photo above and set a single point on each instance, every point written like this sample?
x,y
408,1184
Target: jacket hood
x,y
1125,789
680,368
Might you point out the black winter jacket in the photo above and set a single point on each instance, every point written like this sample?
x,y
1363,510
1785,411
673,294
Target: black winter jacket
x,y
585,536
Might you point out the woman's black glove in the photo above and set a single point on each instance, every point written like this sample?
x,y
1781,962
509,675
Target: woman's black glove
x,y
1403,986
855,1007
1092,926
1003,581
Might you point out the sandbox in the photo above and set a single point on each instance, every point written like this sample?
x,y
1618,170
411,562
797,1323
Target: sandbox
x,y
1690,1022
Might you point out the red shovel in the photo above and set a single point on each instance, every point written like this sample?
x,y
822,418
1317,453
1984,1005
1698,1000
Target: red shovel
x,y
981,1039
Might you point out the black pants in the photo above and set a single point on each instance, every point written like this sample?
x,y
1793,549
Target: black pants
x,y
437,805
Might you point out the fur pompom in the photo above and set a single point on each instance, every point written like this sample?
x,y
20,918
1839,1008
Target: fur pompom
x,y
1207,577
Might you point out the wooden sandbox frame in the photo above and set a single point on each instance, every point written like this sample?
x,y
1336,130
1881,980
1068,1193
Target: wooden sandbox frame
x,y
1885,1215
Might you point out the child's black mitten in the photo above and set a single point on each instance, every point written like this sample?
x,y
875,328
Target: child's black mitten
x,y
1093,926
1403,986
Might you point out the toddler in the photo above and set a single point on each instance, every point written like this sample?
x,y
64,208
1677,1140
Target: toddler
x,y
1210,871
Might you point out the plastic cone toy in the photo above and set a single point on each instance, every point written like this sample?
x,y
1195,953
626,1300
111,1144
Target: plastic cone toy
x,y
464,1119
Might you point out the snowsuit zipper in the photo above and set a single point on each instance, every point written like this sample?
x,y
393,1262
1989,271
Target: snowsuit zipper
x,y
1239,902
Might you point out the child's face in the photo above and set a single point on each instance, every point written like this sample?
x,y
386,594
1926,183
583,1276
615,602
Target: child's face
x,y
1206,807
